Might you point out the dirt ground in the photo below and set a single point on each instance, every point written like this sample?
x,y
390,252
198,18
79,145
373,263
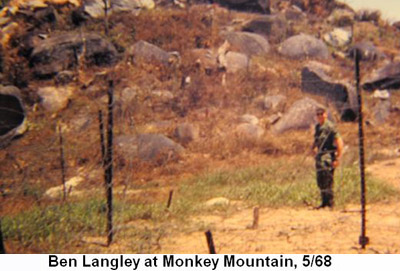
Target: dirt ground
x,y
302,230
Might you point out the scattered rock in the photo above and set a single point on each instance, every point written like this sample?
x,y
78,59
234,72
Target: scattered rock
x,y
257,5
220,201
315,81
273,26
294,13
234,62
381,94
300,116
61,52
387,77
304,46
95,8
250,119
153,148
339,37
249,132
54,99
12,114
247,43
143,51
58,191
381,111
186,133
368,52
273,103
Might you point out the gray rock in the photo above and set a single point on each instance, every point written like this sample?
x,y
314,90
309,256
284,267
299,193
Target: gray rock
x,y
250,119
249,132
54,99
221,201
381,94
95,8
294,13
304,46
387,77
368,52
316,82
154,148
186,133
147,52
60,53
381,111
247,43
235,62
12,114
259,5
272,26
300,116
339,37
274,103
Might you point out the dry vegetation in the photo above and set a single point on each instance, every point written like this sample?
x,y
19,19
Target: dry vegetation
x,y
30,165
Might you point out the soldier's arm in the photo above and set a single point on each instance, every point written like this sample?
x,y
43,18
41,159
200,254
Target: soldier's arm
x,y
339,147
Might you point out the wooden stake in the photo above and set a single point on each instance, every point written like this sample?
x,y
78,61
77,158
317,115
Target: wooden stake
x,y
256,215
170,198
210,242
2,247
62,162
109,163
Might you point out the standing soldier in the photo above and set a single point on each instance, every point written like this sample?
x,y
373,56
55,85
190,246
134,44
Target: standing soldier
x,y
327,147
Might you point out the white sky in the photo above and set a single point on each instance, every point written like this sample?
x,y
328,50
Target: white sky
x,y
390,9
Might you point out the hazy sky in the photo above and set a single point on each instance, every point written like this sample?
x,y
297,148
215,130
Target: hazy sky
x,y
390,8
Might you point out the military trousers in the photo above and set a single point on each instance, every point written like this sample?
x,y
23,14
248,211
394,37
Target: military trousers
x,y
325,184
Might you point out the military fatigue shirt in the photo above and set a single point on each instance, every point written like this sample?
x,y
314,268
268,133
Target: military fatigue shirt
x,y
324,140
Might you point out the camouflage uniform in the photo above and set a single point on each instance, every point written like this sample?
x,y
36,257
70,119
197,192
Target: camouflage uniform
x,y
324,139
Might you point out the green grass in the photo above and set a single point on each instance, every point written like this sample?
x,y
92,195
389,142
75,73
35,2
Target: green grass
x,y
277,186
56,227
59,228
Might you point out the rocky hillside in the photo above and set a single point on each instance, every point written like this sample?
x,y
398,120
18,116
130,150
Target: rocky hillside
x,y
197,86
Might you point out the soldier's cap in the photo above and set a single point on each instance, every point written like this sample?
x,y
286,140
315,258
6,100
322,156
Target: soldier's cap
x,y
320,110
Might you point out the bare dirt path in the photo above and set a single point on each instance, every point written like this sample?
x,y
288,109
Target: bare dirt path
x,y
301,230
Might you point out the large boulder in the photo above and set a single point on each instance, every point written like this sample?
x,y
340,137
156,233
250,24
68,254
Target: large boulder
x,y
153,148
304,46
315,81
339,37
381,111
249,132
234,62
61,52
273,103
274,27
262,6
142,51
186,132
300,116
12,114
95,8
367,51
387,77
247,43
54,99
